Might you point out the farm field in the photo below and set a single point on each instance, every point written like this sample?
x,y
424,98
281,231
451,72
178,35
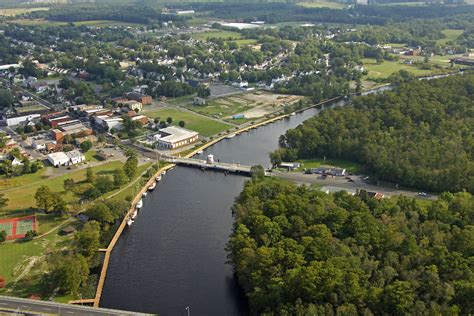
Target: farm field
x,y
251,105
19,11
451,36
387,68
204,126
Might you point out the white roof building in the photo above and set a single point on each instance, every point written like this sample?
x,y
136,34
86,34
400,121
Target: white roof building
x,y
173,137
58,159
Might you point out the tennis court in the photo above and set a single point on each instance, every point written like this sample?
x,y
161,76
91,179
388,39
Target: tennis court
x,y
18,227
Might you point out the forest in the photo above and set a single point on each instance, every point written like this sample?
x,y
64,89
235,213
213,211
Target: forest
x,y
131,13
418,135
298,251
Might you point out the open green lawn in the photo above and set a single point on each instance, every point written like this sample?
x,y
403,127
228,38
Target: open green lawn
x,y
23,197
202,125
387,68
351,167
21,263
203,36
322,4
451,36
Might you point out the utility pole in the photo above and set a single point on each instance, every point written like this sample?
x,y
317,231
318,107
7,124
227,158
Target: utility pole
x,y
188,310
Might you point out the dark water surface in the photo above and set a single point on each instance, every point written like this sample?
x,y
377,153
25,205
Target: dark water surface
x,y
173,256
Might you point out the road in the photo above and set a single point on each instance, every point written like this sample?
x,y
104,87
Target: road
x,y
343,184
33,307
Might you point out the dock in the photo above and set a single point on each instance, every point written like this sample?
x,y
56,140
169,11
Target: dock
x,y
203,164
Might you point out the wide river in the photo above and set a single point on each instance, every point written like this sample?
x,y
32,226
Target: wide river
x,y
174,255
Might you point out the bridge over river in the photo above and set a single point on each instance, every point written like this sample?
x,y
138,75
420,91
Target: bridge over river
x,y
207,164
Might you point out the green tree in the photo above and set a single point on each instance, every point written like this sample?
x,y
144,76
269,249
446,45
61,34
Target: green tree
x,y
87,239
101,213
45,198
3,236
169,120
90,175
130,167
257,172
203,91
86,146
120,177
6,98
3,201
68,272
182,123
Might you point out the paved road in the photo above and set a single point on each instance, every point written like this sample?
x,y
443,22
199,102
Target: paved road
x,y
33,307
343,184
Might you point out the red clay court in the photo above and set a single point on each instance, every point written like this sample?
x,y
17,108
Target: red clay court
x,y
18,227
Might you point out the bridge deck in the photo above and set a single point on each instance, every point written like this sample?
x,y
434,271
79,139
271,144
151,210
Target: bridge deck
x,y
236,168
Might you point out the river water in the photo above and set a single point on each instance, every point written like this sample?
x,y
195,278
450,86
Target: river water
x,y
174,254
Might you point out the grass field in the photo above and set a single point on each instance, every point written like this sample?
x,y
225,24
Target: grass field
x,y
21,263
203,36
387,68
18,11
451,36
252,105
322,4
23,197
351,167
202,125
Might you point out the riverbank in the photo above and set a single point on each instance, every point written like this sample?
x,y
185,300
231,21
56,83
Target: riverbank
x,y
117,234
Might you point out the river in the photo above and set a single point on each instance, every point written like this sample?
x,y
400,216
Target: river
x,y
174,254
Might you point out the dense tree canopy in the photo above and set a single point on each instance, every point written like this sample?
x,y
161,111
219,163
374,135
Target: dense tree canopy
x,y
299,251
420,134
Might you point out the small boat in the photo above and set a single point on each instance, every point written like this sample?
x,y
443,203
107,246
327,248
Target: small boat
x,y
144,193
158,178
140,203
230,136
293,114
199,152
134,214
130,222
152,186
164,172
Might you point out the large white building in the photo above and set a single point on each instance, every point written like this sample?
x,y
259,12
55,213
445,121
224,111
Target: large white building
x,y
174,137
66,159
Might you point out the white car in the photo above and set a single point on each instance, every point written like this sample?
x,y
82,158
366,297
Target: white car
x,y
422,194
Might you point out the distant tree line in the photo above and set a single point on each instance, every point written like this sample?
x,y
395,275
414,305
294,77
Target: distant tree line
x,y
419,135
132,13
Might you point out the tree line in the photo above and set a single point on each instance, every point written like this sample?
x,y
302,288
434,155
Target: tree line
x,y
298,251
419,135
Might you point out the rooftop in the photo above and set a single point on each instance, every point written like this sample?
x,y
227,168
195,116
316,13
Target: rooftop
x,y
174,134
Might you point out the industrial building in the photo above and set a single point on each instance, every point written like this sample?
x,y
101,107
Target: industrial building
x,y
174,137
